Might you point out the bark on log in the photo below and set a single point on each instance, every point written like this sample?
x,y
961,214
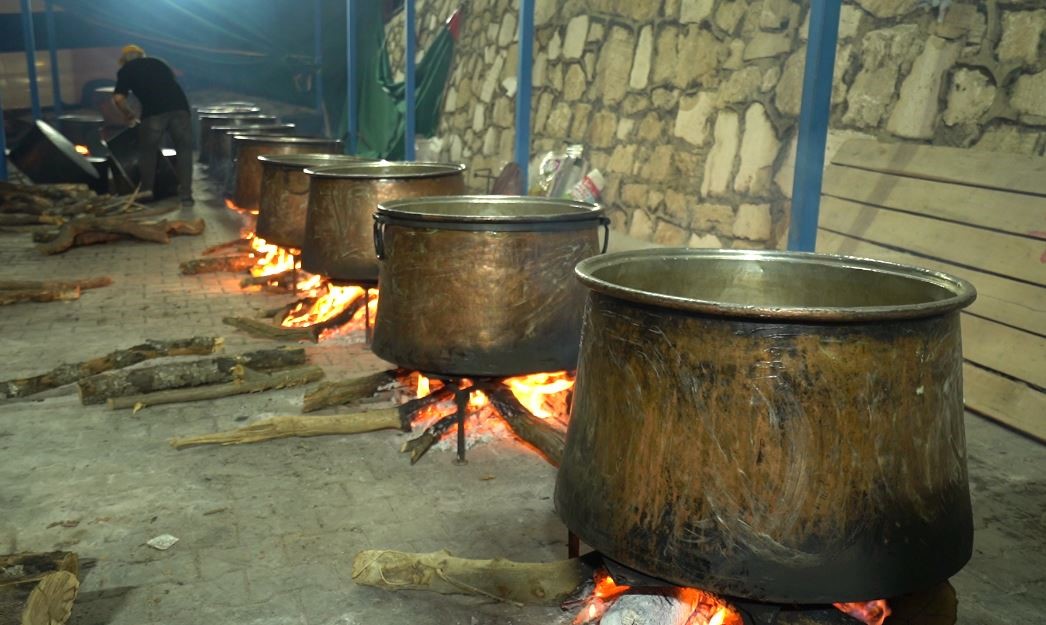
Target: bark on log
x,y
29,219
39,295
300,426
38,589
157,232
69,373
262,329
217,264
530,429
253,382
85,283
97,389
345,391
235,245
359,422
533,583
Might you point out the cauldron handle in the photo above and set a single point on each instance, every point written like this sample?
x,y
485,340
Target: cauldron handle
x,y
379,236
605,222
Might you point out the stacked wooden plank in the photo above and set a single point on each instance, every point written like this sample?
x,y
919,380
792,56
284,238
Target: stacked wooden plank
x,y
977,215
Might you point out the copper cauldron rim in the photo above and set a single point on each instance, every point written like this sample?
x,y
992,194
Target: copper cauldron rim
x,y
466,209
960,293
284,139
228,111
303,161
253,129
388,170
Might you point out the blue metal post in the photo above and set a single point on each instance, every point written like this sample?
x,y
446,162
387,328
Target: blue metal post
x,y
813,124
29,39
3,142
524,87
317,53
352,145
52,45
409,99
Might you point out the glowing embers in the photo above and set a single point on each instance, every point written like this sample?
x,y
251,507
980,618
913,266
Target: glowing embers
x,y
868,612
612,603
82,150
337,309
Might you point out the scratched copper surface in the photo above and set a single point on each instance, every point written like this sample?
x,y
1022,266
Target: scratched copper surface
x,y
248,169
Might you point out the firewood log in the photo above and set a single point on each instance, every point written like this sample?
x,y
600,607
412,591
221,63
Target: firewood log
x,y
530,429
28,219
217,264
38,589
235,245
69,373
358,422
261,329
85,283
533,583
345,391
252,382
15,296
157,232
97,389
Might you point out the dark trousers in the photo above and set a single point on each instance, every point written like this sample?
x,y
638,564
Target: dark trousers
x,y
150,134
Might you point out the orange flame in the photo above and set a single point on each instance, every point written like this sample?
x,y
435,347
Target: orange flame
x,y
82,149
699,607
537,392
868,612
329,304
602,598
271,259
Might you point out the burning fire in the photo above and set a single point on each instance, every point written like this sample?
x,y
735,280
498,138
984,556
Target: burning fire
x,y
698,607
868,612
541,393
270,259
82,149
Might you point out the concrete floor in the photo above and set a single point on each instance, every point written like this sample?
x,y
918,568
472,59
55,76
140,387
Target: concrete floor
x,y
268,532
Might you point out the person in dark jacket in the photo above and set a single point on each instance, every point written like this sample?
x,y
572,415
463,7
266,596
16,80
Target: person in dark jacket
x,y
164,109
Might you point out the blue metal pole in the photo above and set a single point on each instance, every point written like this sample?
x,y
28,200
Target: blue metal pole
x,y
813,124
56,86
350,60
3,142
409,95
317,53
29,39
524,87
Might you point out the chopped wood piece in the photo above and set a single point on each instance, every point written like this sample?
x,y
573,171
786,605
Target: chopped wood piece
x,y
418,446
38,588
217,264
157,232
69,373
28,219
359,422
96,389
39,295
345,391
530,429
261,329
86,283
236,245
253,382
284,279
534,583
298,426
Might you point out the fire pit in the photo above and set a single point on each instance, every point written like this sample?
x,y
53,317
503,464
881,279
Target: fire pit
x,y
778,427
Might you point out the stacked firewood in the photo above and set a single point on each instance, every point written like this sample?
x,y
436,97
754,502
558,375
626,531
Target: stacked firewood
x,y
63,216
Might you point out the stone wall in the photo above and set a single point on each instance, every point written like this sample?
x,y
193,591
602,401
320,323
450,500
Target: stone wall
x,y
689,107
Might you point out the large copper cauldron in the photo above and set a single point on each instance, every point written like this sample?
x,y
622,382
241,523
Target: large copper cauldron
x,y
45,156
208,135
285,195
339,242
226,109
783,427
220,163
482,285
248,169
